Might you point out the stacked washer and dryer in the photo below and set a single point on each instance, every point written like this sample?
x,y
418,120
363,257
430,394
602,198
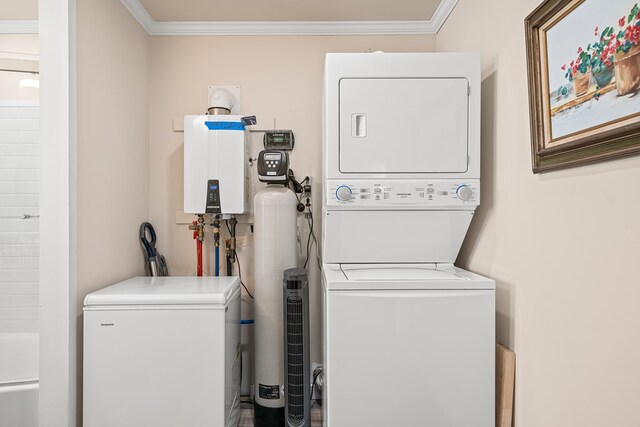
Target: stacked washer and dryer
x,y
408,337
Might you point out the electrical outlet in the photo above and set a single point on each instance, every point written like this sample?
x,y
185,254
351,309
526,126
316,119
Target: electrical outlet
x,y
306,197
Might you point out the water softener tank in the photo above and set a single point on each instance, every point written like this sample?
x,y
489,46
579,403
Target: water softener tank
x,y
274,252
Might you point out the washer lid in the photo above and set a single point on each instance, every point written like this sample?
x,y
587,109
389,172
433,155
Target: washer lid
x,y
400,272
164,291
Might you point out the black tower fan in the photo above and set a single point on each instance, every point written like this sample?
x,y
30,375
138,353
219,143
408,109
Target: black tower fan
x,y
297,376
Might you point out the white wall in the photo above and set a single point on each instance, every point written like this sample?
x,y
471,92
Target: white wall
x,y
19,240
113,154
562,246
22,47
280,77
19,189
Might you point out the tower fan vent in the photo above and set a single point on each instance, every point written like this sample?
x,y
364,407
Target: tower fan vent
x,y
295,365
297,369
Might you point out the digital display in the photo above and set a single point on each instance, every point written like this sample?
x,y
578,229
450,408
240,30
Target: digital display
x,y
278,139
213,187
272,156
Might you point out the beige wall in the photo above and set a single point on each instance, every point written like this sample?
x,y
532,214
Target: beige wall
x,y
559,244
113,139
562,246
19,47
280,77
19,9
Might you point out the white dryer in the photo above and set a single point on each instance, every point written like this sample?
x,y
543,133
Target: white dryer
x,y
408,337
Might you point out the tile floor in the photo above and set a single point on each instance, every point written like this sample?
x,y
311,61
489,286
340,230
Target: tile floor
x,y
246,415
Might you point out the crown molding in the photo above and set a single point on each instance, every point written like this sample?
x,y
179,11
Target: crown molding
x,y
18,26
140,13
442,13
286,28
290,28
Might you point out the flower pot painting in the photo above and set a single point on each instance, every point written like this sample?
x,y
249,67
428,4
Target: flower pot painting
x,y
583,68
627,70
603,77
581,83
592,68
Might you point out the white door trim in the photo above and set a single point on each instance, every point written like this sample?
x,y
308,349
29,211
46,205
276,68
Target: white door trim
x,y
58,317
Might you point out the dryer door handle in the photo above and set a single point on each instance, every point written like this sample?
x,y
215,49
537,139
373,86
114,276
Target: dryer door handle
x,y
358,125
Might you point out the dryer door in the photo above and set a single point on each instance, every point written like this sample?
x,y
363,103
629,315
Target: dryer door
x,y
404,125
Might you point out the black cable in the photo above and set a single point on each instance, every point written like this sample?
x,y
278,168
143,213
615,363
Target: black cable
x,y
229,267
315,240
239,270
240,276
297,187
313,384
309,239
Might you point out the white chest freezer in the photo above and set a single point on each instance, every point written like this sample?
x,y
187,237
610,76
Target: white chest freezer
x,y
163,351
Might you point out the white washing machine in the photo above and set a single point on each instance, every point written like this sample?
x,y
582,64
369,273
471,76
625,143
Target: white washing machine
x,y
408,345
163,352
408,337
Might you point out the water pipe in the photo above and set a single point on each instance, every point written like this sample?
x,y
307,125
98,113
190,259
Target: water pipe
x,y
217,260
198,235
231,245
216,244
199,250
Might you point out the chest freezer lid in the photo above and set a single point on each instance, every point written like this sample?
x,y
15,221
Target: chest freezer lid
x,y
215,291
404,272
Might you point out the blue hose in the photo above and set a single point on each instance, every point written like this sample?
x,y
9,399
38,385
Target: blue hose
x,y
217,261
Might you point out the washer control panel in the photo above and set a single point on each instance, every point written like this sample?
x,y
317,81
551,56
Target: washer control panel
x,y
405,193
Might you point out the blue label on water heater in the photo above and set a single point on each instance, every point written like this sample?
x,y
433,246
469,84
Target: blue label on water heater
x,y
225,125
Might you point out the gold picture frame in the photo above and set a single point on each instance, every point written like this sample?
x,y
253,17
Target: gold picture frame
x,y
584,103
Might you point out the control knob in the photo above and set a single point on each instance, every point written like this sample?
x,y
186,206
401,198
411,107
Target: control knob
x,y
343,193
464,192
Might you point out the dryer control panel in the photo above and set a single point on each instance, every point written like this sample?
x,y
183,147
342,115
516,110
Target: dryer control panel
x,y
407,194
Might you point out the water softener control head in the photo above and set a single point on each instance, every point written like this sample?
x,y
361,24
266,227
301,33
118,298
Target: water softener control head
x,y
273,166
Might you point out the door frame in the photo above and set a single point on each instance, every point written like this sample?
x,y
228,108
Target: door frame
x,y
58,313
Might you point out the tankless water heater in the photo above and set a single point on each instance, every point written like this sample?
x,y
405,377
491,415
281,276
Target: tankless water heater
x,y
215,165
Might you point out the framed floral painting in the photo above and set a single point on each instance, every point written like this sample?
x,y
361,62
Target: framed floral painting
x,y
583,60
